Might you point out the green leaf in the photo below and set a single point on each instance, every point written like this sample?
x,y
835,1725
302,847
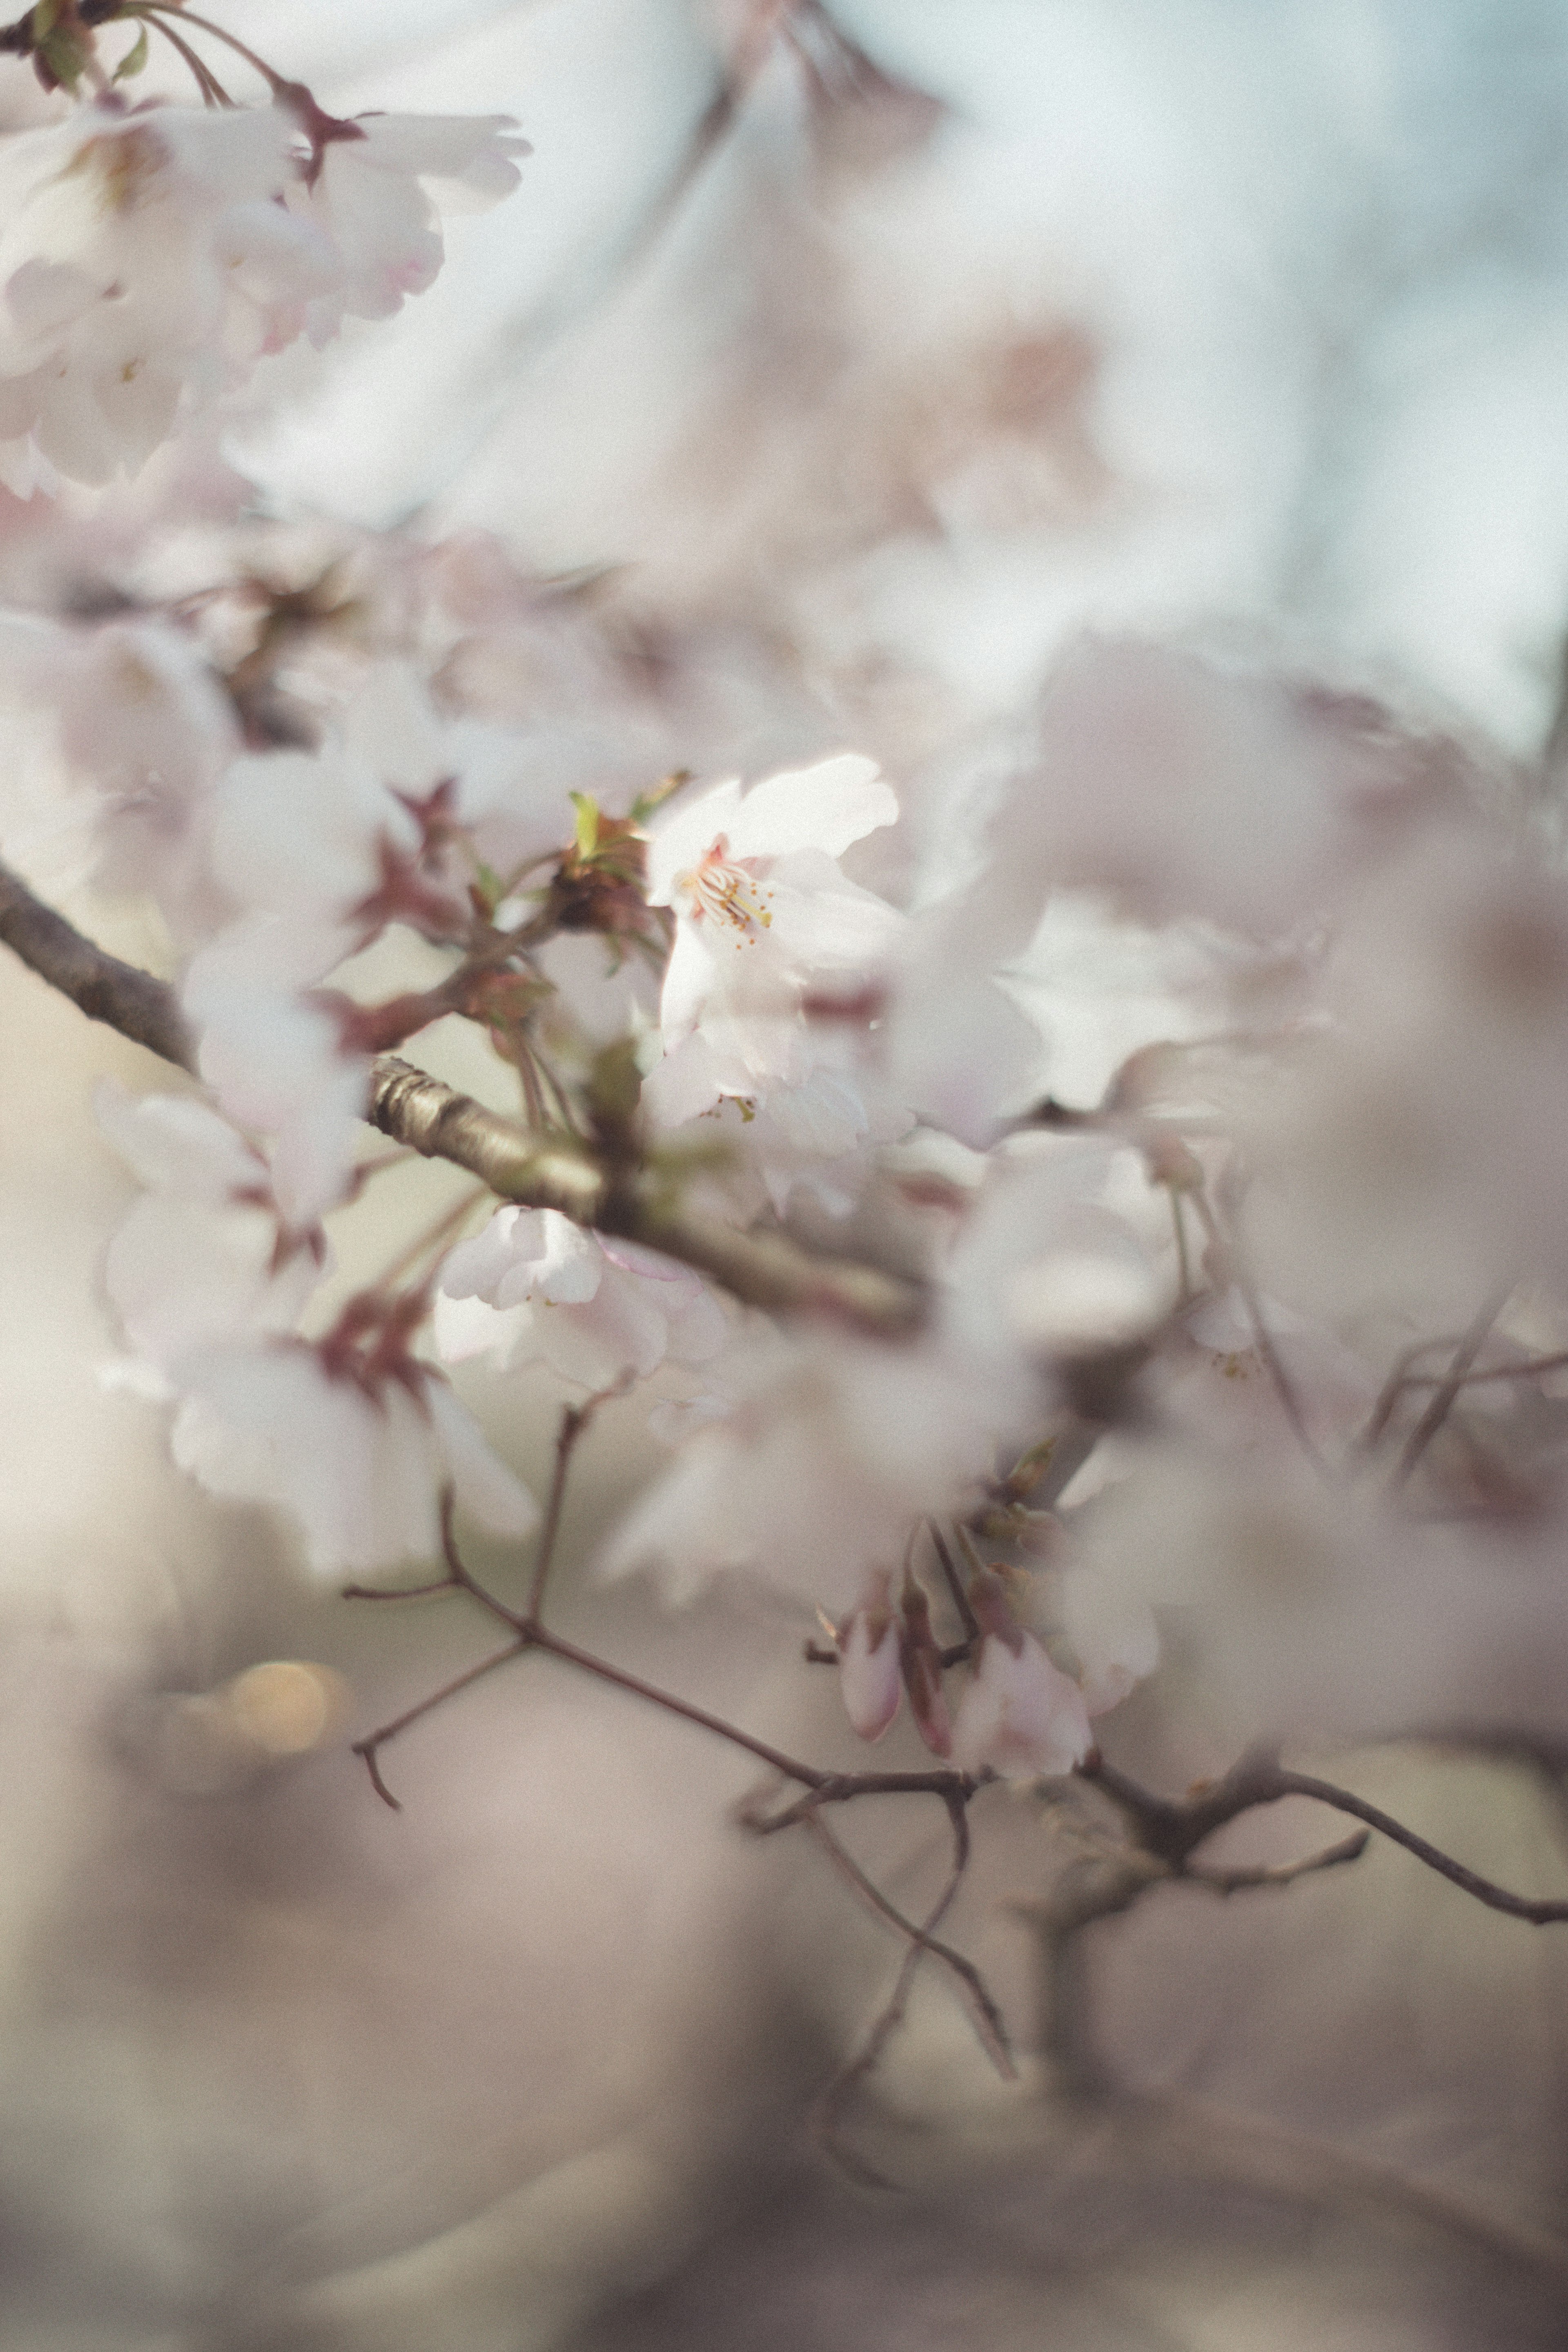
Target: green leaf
x,y
588,811
45,13
65,54
134,60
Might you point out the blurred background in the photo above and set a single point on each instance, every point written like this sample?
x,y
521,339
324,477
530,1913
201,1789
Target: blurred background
x,y
844,365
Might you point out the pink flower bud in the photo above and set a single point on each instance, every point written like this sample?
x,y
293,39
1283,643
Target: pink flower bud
x,y
868,1671
921,1663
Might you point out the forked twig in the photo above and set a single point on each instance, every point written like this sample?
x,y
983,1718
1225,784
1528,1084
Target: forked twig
x,y
829,2107
989,2023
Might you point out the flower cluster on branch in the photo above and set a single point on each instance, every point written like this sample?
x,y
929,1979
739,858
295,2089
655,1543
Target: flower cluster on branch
x,y
1235,1371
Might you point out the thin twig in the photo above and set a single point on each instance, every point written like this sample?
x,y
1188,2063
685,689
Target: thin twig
x,y
1485,1890
1526,1370
990,2024
575,1423
1278,1874
829,2107
1442,1401
1393,1389
370,1748
1171,1829
1262,1337
1178,1226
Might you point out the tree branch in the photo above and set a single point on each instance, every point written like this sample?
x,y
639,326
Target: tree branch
x,y
767,1270
145,1010
1171,1830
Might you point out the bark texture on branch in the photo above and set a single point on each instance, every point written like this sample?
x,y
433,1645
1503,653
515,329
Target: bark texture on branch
x,y
145,1010
766,1270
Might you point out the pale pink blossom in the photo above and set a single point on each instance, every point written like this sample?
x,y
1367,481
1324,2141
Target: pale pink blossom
x,y
829,1451
145,721
762,911
148,259
1114,1636
534,1287
143,264
204,1254
359,1462
1021,1716
377,195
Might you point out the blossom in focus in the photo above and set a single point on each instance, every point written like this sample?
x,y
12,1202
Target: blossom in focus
x,y
762,911
533,1286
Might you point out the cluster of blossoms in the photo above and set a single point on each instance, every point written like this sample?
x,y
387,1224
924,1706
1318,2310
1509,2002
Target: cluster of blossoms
x,y
1176,1139
151,255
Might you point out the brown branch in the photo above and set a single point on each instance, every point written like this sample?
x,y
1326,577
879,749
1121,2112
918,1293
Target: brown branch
x,y
1485,1890
370,1748
954,1582
767,1270
1172,1830
575,1423
145,1010
1278,1874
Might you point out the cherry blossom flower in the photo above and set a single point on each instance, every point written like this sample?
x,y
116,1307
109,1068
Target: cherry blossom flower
x,y
350,1432
827,1453
1020,1716
762,909
204,1254
143,261
376,195
533,1286
148,259
145,721
321,852
359,1454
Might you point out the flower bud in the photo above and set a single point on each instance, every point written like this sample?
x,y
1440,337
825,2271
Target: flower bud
x,y
868,1680
921,1663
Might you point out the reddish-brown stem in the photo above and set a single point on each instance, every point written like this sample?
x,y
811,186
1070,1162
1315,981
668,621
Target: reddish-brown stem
x,y
274,80
212,90
370,1746
574,1423
990,2023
